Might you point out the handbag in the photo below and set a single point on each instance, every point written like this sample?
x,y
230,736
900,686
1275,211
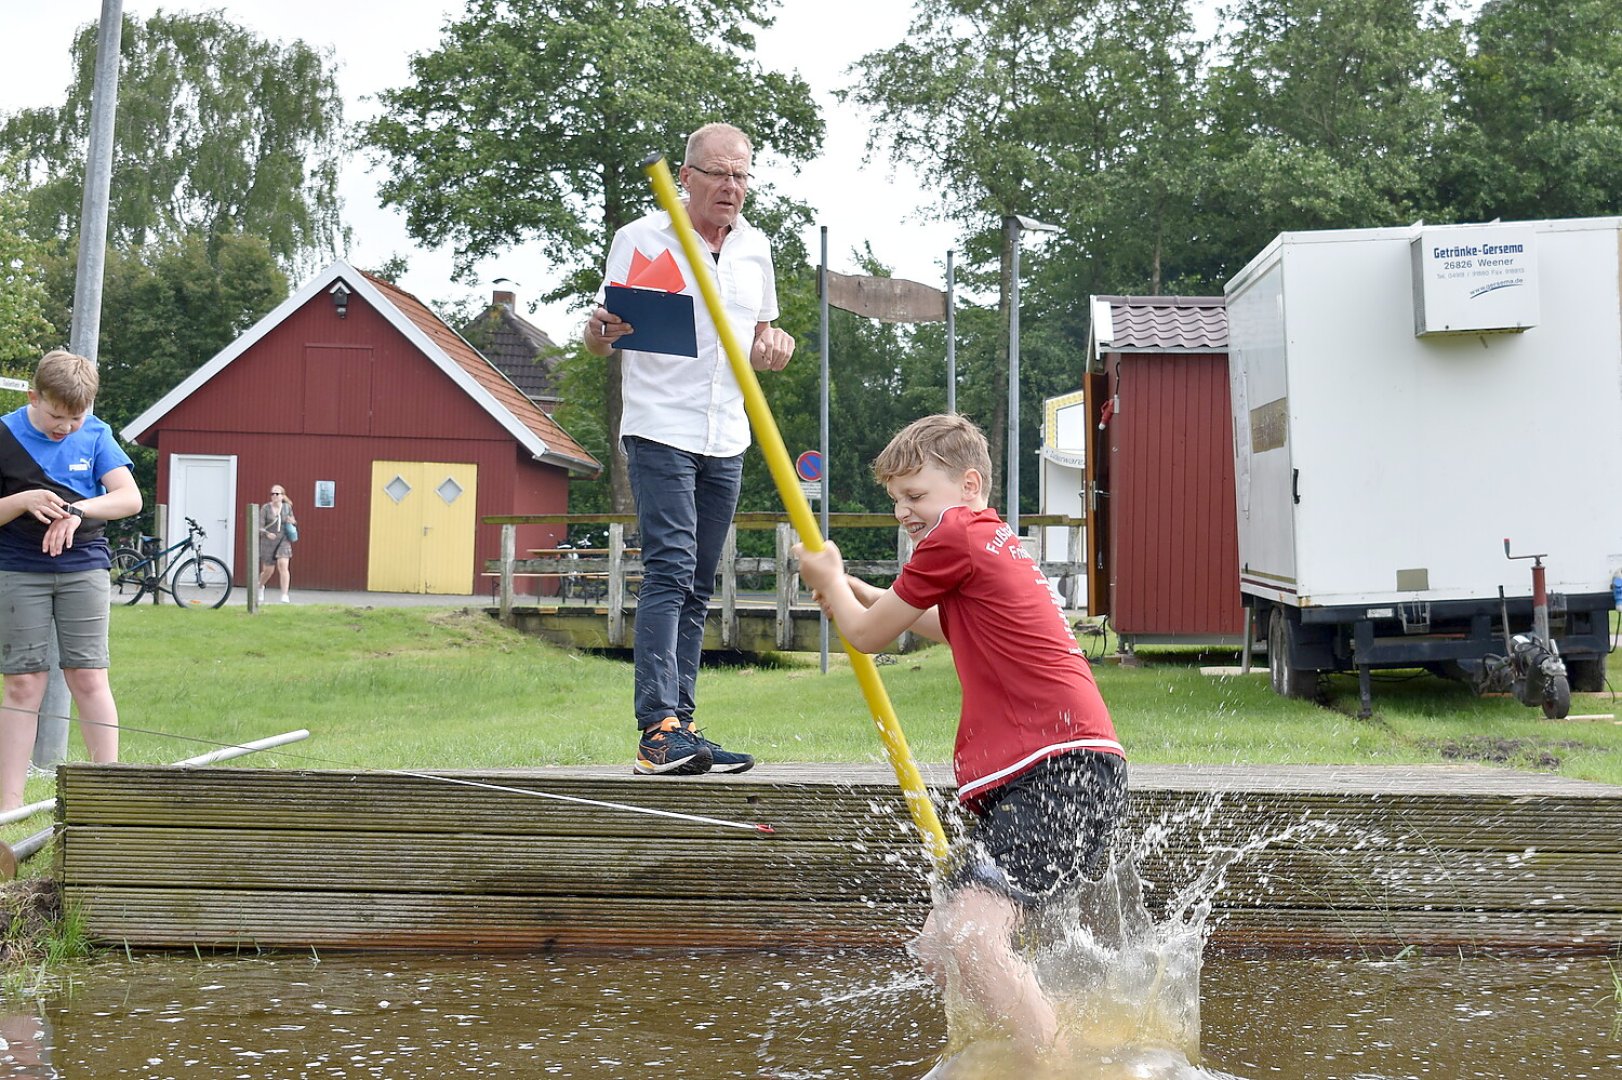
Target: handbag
x,y
290,531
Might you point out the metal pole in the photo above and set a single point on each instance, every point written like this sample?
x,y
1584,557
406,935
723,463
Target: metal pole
x,y
97,184
822,290
951,337
250,549
1540,602
25,849
1011,481
1015,225
27,811
51,733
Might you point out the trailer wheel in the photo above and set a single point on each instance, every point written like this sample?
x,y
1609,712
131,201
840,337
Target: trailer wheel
x,y
1587,674
1557,698
1288,681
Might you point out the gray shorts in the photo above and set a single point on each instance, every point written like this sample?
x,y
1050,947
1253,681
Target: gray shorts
x,y
28,601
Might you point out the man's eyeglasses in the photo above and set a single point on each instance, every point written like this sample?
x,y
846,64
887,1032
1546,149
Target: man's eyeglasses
x,y
742,178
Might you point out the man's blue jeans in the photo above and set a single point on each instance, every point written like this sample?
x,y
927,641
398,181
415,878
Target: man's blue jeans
x,y
684,506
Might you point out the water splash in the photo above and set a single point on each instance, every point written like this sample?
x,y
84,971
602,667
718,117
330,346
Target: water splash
x,y
1123,975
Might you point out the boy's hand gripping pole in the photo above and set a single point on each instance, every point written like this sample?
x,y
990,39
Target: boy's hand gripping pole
x,y
799,509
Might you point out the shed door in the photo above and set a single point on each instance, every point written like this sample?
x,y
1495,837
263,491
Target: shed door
x,y
1175,564
1095,505
203,486
422,527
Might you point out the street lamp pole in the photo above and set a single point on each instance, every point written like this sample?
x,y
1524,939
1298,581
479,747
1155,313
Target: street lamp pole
x,y
951,337
1015,225
51,733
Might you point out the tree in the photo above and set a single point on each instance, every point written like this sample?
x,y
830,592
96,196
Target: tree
x,y
1131,195
24,329
531,119
1539,113
218,133
166,310
978,98
1327,112
169,308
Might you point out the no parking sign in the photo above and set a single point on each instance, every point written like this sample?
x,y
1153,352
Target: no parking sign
x,y
808,466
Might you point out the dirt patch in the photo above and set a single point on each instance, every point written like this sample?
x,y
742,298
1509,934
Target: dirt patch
x,y
1521,753
31,911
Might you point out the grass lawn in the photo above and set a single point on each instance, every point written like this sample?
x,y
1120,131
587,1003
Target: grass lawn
x,y
426,688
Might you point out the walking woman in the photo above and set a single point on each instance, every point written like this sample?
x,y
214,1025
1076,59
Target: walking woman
x,y
278,528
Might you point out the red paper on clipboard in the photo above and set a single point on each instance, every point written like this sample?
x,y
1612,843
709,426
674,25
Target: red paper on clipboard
x,y
651,301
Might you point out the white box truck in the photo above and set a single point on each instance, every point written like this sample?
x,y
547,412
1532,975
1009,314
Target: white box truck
x,y
1405,399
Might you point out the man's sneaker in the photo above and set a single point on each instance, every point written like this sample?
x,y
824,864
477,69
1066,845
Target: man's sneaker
x,y
668,748
721,760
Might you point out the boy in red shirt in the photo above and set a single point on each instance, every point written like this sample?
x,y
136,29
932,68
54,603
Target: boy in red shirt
x,y
1036,759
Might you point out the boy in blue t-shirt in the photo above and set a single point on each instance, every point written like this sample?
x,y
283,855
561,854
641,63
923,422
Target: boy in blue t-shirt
x,y
62,478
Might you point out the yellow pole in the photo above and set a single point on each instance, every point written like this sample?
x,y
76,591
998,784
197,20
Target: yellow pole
x,y
799,510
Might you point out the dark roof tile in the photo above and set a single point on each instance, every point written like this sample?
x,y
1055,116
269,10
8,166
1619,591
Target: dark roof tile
x,y
523,352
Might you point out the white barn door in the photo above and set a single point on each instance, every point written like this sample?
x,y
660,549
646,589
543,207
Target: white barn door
x,y
204,486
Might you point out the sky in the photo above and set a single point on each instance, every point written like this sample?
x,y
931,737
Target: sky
x,y
858,203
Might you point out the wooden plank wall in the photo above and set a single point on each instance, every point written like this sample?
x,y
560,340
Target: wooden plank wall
x,y
1375,860
1174,540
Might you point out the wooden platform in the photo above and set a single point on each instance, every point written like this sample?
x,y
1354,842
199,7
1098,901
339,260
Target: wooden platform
x,y
1362,858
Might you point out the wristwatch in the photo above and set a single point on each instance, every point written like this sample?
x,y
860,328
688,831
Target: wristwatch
x,y
74,510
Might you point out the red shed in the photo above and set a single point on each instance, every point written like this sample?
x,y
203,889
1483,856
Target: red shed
x,y
394,438
1163,460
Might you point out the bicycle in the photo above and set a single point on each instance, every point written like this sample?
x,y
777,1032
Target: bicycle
x,y
200,581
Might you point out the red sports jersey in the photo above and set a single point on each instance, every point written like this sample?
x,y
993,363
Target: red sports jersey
x,y
1028,692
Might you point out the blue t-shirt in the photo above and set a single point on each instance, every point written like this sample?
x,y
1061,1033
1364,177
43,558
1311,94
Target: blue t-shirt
x,y
73,468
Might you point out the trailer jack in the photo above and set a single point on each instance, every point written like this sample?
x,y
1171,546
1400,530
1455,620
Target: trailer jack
x,y
1531,667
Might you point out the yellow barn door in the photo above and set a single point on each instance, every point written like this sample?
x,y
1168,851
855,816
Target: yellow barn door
x,y
422,527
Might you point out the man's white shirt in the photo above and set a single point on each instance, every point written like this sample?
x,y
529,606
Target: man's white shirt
x,y
694,403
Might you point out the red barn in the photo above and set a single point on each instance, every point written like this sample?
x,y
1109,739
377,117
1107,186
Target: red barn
x,y
394,438
1162,459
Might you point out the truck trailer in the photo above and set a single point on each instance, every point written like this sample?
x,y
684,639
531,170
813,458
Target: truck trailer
x,y
1408,403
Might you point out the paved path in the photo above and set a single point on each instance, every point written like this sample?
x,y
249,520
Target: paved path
x,y
239,597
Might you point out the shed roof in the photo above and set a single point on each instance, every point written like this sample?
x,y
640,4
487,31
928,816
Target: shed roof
x,y
1162,324
523,351
472,373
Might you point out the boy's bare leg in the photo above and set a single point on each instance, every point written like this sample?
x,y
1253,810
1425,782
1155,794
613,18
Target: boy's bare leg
x,y
98,715
19,722
973,932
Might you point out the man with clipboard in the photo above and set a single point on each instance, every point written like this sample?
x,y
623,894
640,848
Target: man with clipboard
x,y
683,426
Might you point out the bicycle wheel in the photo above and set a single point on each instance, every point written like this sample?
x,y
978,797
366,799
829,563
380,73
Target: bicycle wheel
x,y
201,582
127,576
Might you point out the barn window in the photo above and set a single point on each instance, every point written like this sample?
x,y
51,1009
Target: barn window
x,y
449,490
397,489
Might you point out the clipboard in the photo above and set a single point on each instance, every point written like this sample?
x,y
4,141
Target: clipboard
x,y
663,320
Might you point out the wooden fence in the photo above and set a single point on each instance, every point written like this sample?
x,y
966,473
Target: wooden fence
x,y
619,568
